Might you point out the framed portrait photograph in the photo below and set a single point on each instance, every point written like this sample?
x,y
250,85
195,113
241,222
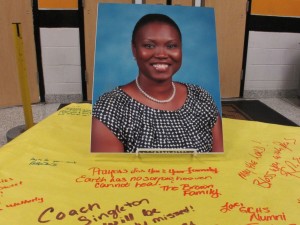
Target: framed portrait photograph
x,y
156,80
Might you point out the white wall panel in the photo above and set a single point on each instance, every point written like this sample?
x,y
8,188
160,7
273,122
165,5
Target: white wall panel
x,y
62,88
265,56
61,61
274,40
272,72
61,74
61,56
271,85
273,61
52,37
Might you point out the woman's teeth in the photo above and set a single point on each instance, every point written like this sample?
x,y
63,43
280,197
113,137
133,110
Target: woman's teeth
x,y
160,66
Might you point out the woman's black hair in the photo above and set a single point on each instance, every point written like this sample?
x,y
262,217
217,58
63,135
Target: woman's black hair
x,y
150,18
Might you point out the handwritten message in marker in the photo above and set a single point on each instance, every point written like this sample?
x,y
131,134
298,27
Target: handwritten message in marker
x,y
282,162
254,213
9,183
173,180
128,212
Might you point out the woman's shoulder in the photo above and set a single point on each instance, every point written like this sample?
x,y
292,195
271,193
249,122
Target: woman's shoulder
x,y
111,99
201,99
113,95
196,90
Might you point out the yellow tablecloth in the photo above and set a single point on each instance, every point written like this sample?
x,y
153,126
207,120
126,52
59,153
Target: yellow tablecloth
x,y
48,176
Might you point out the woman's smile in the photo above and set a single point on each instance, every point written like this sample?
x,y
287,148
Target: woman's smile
x,y
161,67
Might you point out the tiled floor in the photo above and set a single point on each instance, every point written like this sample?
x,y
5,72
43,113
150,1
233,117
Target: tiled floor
x,y
288,107
13,116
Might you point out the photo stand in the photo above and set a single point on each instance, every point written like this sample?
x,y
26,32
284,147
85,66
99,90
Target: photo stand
x,y
140,151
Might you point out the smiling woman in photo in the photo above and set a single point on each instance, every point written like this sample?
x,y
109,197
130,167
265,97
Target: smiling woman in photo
x,y
153,111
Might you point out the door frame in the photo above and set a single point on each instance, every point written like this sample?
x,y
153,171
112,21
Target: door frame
x,y
41,19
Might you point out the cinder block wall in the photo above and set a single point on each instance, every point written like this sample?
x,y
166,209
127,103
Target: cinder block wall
x,y
273,63
61,62
273,55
